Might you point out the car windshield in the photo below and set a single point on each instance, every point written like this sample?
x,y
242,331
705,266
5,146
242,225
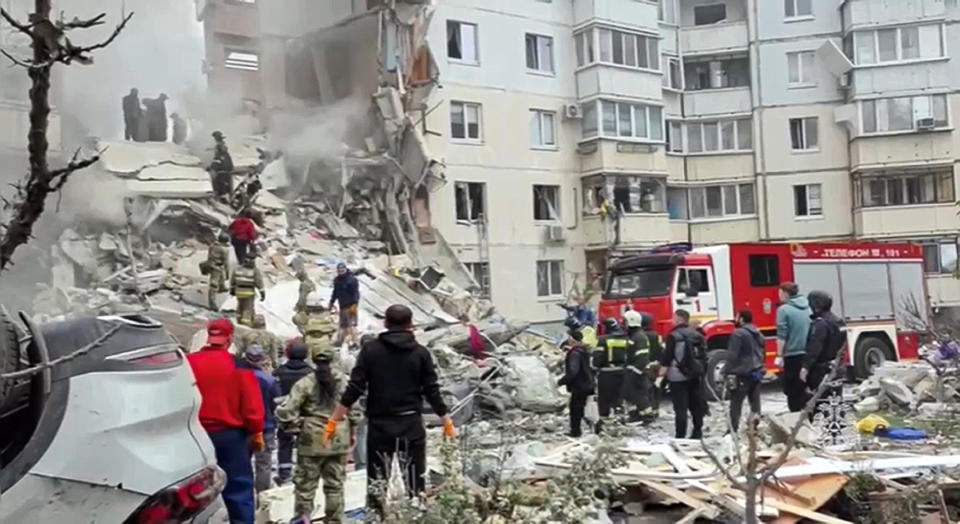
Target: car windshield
x,y
641,282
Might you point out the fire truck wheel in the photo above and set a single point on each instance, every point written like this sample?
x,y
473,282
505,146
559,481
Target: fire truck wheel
x,y
716,364
9,356
872,352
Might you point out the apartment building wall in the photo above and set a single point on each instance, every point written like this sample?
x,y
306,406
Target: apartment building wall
x,y
232,27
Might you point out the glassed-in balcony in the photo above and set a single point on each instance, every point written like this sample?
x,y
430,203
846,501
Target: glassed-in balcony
x,y
861,13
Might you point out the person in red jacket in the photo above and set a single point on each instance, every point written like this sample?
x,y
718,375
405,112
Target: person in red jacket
x,y
243,233
231,411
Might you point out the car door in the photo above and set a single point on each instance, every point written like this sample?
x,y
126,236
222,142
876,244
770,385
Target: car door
x,y
701,300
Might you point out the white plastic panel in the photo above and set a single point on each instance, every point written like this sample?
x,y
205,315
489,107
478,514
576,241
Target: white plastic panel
x,y
822,276
866,290
908,292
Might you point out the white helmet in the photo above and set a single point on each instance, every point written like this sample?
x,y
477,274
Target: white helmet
x,y
315,301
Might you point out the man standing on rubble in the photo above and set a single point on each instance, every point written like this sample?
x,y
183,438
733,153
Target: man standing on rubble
x,y
744,370
306,287
222,168
610,359
825,340
244,284
346,292
793,325
132,113
295,368
156,118
578,378
637,386
656,353
231,411
397,374
243,235
317,326
254,360
217,267
683,366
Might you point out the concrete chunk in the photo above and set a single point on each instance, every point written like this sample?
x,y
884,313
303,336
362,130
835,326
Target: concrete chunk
x,y
898,392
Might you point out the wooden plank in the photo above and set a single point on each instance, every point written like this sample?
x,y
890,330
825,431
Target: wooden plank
x,y
709,511
804,512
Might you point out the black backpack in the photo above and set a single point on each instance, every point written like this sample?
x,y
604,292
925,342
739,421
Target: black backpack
x,y
694,361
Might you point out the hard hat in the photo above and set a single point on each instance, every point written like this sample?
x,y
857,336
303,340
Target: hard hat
x,y
573,323
610,324
315,301
633,319
223,237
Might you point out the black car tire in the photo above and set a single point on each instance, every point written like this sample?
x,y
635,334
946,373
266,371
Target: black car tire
x,y
9,357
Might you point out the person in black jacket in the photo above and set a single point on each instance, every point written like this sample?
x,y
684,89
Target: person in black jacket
x,y
825,340
578,378
397,374
681,364
295,368
744,369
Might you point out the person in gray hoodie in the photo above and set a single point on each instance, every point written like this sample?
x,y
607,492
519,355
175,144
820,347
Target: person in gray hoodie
x,y
744,369
793,324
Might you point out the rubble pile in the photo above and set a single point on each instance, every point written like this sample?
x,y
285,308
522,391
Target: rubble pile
x,y
922,387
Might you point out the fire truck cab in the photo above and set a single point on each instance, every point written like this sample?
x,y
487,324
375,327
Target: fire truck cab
x,y
877,288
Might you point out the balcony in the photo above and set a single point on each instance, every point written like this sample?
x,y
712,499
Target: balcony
x,y
636,230
715,38
611,156
901,77
723,101
909,149
944,290
619,12
724,166
609,80
919,220
865,13
736,230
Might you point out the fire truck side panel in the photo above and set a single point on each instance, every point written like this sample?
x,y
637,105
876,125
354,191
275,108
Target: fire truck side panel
x,y
757,271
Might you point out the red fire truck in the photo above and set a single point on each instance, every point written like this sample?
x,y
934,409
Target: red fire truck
x,y
872,285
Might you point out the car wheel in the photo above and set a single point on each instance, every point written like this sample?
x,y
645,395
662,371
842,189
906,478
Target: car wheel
x,y
872,352
716,365
9,357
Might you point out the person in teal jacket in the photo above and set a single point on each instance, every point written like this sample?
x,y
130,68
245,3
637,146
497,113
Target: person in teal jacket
x,y
793,324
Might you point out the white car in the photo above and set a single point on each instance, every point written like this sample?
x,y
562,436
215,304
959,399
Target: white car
x,y
109,436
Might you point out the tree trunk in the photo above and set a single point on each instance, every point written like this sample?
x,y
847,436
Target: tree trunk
x,y
750,511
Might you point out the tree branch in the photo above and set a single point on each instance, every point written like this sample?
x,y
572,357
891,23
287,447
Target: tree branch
x,y
23,373
26,29
110,39
23,63
76,23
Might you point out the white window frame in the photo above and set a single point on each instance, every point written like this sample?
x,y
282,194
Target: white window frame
x,y
466,124
538,56
805,135
635,108
555,205
666,12
601,38
805,78
466,188
797,15
720,123
901,179
669,79
873,35
552,266
806,195
723,202
538,119
480,271
230,61
876,105
939,246
476,42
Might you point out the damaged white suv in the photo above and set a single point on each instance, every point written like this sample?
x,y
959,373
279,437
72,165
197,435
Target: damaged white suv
x,y
111,435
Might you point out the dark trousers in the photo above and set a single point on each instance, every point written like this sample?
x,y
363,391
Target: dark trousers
x,y
387,436
241,248
223,184
577,403
233,457
609,386
688,396
747,388
793,388
285,443
130,128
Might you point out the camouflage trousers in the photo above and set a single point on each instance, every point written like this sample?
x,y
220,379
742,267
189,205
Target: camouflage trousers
x,y
217,285
246,310
305,478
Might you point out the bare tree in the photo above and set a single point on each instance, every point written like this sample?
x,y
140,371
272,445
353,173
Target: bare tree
x,y
51,45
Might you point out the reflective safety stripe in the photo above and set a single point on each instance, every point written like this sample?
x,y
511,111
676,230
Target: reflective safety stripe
x,y
612,368
244,293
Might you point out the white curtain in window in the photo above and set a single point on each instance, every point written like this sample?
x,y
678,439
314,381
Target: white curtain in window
x,y
931,41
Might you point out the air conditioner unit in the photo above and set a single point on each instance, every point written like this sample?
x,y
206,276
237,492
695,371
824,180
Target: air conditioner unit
x,y
926,123
555,233
845,80
572,111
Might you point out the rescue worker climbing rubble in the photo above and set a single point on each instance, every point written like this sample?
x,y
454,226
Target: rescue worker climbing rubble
x,y
306,287
244,284
222,167
637,387
610,359
217,267
317,326
346,293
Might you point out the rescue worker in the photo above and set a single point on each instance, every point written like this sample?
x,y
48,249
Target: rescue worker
x,y
243,235
257,334
132,113
825,340
316,324
295,368
631,317
179,129
656,352
222,167
346,293
244,283
254,360
744,370
610,361
156,118
578,378
320,455
793,325
681,364
231,411
218,264
397,374
637,386
582,311
306,287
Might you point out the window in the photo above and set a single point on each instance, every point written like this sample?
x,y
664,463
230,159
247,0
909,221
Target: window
x,y
803,134
675,136
904,113
470,201
806,201
481,275
549,278
618,47
693,278
546,203
677,203
543,128
722,201
940,258
539,53
623,120
716,74
764,270
666,12
800,69
797,8
462,41
709,14
907,189
898,43
465,121
674,72
241,59
720,136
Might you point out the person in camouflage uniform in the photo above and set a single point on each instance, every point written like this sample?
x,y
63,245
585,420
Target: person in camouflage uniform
x,y
306,411
244,284
317,325
257,334
218,261
306,287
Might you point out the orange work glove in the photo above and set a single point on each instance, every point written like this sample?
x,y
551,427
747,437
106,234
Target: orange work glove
x,y
328,431
256,442
352,310
447,427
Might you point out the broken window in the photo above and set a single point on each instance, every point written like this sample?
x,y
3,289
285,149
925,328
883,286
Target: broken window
x,y
539,53
593,194
465,121
242,59
803,134
806,200
717,74
549,278
709,14
481,275
470,201
462,41
546,203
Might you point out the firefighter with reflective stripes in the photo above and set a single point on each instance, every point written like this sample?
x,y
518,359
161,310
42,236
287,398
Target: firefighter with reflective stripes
x,y
244,284
656,350
317,325
637,390
610,359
